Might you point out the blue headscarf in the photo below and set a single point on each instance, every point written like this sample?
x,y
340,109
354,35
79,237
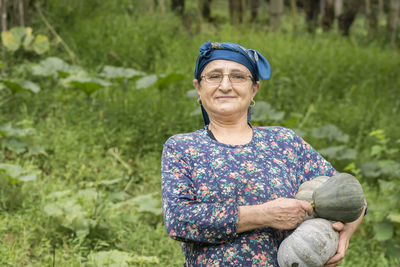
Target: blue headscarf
x,y
253,60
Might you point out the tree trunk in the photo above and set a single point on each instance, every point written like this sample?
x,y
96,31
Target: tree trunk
x,y
338,8
162,6
347,18
329,15
3,4
293,7
236,10
393,18
178,6
276,12
311,8
254,5
372,11
21,12
205,10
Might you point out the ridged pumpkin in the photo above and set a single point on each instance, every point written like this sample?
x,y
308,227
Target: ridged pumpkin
x,y
312,244
306,189
340,198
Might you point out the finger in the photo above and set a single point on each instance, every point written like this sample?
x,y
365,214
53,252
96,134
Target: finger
x,y
306,206
338,226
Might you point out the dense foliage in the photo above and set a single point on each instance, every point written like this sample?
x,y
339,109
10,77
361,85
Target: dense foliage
x,y
81,137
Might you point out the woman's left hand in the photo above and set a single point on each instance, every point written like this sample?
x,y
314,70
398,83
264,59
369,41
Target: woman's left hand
x,y
344,240
345,232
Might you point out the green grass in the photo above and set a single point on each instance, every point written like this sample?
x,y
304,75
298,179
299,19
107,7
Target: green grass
x,y
336,80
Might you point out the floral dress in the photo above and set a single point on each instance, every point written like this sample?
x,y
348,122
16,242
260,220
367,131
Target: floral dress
x,y
204,182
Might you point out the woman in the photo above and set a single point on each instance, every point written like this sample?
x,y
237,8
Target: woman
x,y
228,189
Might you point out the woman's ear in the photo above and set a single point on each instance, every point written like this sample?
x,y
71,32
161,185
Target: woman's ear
x,y
256,87
196,85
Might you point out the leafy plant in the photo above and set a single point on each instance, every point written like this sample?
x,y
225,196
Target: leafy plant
x,y
19,37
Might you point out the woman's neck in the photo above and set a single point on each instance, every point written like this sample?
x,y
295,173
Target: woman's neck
x,y
232,133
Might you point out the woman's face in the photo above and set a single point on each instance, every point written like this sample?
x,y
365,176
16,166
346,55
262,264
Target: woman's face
x,y
226,99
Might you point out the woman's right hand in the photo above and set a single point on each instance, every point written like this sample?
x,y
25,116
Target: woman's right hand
x,y
281,213
285,213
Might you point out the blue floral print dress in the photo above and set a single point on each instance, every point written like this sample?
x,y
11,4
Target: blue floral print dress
x,y
204,182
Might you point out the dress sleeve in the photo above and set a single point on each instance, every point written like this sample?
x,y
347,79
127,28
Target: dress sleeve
x,y
187,218
310,163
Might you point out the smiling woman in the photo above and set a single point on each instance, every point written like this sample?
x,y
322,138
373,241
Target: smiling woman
x,y
228,189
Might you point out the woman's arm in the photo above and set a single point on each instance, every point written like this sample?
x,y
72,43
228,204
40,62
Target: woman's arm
x,y
186,217
281,213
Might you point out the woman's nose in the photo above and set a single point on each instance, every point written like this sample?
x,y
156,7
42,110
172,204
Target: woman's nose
x,y
226,83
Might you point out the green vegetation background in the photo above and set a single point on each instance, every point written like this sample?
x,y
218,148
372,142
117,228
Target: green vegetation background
x,y
97,193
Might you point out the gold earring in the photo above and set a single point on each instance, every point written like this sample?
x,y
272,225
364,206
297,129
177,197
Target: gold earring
x,y
253,103
198,101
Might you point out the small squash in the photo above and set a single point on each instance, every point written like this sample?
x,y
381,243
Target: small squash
x,y
306,189
340,198
312,244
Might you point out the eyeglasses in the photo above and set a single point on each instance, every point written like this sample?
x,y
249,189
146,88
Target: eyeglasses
x,y
217,77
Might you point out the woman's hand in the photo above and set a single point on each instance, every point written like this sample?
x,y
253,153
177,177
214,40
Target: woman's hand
x,y
345,232
281,213
285,213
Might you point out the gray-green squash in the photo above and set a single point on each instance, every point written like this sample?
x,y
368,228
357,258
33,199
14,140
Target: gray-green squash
x,y
340,198
312,244
306,189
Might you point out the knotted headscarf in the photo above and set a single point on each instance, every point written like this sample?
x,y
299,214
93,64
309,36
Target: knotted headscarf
x,y
253,60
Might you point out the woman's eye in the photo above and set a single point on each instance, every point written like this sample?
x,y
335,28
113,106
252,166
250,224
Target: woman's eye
x,y
215,76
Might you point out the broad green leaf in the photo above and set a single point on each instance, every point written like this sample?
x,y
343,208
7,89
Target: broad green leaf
x,y
145,260
23,86
392,249
390,168
146,82
87,194
59,194
28,42
89,85
41,44
9,131
339,152
148,203
16,145
112,258
164,81
196,112
20,32
11,170
53,210
371,169
394,217
192,94
28,178
376,150
331,132
29,86
264,111
120,73
51,66
10,41
383,231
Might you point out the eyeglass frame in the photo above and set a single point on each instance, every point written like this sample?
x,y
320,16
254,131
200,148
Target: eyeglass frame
x,y
229,78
